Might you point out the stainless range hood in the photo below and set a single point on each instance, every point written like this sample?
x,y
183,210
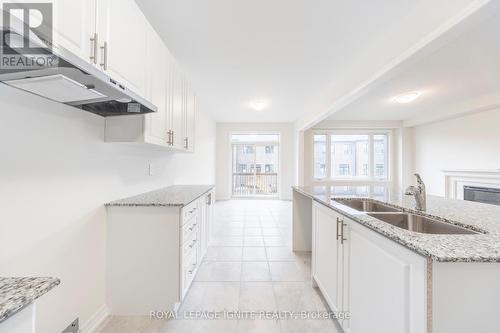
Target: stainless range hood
x,y
66,78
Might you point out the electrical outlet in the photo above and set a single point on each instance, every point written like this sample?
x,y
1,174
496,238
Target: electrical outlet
x,y
150,169
74,327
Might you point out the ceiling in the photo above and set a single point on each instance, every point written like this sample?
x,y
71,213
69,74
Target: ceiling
x,y
462,75
297,55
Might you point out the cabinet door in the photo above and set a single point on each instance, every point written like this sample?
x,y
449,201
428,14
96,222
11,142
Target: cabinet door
x,y
122,42
156,131
73,23
386,285
190,120
74,26
327,255
178,107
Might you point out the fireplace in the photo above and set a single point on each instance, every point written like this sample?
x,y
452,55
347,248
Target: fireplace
x,y
487,195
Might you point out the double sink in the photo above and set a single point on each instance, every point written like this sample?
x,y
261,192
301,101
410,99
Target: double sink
x,y
398,218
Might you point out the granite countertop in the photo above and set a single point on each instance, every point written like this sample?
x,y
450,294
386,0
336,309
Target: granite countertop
x,y
483,218
177,195
18,292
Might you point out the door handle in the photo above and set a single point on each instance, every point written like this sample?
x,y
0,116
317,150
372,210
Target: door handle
x,y
93,48
104,50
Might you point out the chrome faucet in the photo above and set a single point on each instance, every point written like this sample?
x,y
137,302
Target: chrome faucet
x,y
419,193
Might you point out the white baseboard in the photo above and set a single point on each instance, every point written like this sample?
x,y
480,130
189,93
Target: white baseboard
x,y
96,321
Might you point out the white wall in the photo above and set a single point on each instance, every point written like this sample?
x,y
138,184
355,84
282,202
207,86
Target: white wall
x,y
468,142
55,175
287,160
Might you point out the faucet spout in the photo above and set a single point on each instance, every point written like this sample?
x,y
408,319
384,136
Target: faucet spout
x,y
419,193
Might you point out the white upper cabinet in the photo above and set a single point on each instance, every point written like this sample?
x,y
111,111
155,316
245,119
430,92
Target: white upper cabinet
x,y
156,123
116,37
76,33
122,31
178,107
190,121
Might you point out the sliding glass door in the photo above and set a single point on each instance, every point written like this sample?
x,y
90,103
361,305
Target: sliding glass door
x,y
255,165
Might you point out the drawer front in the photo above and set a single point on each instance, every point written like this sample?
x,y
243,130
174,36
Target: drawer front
x,y
188,228
189,269
190,244
190,210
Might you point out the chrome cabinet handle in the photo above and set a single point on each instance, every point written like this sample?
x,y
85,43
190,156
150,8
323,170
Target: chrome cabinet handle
x,y
170,138
173,137
104,50
338,221
93,48
342,239
186,143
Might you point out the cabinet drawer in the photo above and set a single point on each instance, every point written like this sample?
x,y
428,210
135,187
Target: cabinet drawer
x,y
188,228
189,268
190,210
190,243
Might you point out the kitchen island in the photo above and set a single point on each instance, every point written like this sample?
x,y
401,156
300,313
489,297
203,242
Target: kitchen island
x,y
396,280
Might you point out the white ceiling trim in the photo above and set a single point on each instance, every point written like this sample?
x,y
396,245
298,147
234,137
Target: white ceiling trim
x,y
476,105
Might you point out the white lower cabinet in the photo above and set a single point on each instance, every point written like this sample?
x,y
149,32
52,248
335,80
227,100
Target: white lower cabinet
x,y
153,255
381,284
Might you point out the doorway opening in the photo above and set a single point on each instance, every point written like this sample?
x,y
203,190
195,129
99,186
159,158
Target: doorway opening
x,y
255,165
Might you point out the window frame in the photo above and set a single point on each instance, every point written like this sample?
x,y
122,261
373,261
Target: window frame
x,y
371,178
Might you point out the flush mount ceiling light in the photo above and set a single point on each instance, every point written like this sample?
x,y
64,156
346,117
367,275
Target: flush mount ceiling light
x,y
406,97
259,105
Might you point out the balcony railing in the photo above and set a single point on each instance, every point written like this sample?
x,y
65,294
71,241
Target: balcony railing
x,y
249,184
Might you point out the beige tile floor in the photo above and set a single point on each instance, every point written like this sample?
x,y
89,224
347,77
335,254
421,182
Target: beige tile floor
x,y
248,267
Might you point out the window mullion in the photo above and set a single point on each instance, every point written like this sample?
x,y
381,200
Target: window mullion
x,y
328,158
371,157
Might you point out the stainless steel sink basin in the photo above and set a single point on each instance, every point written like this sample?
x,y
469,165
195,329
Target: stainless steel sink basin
x,y
366,205
420,224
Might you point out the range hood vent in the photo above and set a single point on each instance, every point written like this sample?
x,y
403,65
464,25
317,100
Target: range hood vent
x,y
65,77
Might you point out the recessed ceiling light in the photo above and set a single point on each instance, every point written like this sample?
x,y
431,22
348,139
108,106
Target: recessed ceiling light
x,y
407,97
259,105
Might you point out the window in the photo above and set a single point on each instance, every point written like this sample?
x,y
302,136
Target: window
x,y
380,156
258,168
249,150
344,170
269,149
269,168
346,155
365,169
352,157
319,156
